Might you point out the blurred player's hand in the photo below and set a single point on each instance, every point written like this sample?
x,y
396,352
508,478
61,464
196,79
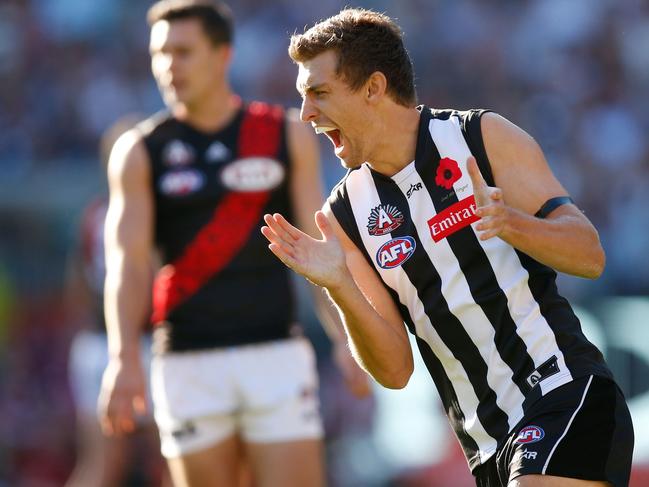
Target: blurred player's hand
x,y
356,379
122,396
490,206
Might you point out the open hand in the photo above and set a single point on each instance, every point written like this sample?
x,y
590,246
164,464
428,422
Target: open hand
x,y
490,205
320,261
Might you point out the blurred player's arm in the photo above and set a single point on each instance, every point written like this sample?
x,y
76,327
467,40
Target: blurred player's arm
x,y
565,239
128,242
78,298
307,196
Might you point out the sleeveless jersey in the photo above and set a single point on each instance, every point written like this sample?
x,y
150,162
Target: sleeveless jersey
x,y
219,285
92,255
490,325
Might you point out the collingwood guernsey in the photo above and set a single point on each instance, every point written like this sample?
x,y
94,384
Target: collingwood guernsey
x,y
490,325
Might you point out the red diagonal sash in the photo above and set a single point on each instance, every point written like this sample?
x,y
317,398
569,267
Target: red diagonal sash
x,y
235,217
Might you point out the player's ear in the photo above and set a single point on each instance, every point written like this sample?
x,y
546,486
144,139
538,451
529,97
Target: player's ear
x,y
376,86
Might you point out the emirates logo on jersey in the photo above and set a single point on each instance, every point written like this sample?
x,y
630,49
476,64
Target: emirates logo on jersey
x,y
384,219
453,218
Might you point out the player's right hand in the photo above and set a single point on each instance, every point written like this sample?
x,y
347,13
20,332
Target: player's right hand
x,y
321,261
122,396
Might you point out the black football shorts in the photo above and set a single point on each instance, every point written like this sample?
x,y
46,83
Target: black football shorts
x,y
581,430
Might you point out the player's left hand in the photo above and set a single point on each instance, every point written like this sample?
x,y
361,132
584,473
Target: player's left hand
x,y
490,206
356,379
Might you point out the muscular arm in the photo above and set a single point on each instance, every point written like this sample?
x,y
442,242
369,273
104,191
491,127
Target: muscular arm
x,y
565,239
128,242
375,330
377,334
128,246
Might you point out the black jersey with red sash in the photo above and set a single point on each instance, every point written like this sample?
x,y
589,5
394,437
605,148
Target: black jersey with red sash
x,y
219,284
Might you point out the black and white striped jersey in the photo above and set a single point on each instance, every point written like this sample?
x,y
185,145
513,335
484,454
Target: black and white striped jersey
x,y
491,327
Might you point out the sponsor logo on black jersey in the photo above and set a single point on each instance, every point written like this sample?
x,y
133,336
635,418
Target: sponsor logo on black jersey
x,y
395,252
530,434
453,218
448,172
217,152
178,153
253,174
383,219
181,182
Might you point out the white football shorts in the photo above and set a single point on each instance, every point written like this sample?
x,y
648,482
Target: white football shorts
x,y
266,393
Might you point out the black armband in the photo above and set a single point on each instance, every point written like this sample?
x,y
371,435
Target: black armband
x,y
552,204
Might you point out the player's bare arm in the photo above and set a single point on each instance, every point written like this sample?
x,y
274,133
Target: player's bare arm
x,y
307,194
565,239
128,242
377,335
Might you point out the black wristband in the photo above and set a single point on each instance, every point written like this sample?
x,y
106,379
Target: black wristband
x,y
552,204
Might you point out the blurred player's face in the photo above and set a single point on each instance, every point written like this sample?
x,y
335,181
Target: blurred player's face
x,y
335,110
185,64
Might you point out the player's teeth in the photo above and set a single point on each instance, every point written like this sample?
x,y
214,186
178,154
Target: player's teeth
x,y
322,130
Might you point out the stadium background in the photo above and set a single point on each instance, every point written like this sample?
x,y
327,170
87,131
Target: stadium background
x,y
574,73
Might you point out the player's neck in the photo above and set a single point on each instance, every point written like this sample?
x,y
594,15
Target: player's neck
x,y
212,113
396,140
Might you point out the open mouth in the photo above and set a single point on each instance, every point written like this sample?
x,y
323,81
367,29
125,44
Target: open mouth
x,y
333,134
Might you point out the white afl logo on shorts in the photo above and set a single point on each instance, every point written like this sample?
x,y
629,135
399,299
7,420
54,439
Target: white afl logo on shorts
x,y
252,174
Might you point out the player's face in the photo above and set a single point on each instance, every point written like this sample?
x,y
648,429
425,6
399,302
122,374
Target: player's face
x,y
185,64
334,109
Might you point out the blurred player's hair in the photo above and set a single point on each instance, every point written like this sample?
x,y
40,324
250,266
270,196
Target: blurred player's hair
x,y
365,42
215,16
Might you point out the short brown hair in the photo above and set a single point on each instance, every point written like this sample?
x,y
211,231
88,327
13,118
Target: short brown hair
x,y
365,42
215,16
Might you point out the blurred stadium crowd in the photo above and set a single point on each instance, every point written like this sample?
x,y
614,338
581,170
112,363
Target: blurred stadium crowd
x,y
574,74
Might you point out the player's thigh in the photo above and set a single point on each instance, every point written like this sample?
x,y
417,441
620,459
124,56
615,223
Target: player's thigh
x,y
297,463
216,466
552,481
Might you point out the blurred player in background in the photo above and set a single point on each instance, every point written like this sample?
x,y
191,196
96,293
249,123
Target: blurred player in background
x,y
101,461
232,377
450,224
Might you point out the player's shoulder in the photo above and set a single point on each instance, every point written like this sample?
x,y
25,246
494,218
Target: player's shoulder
x,y
128,156
340,191
463,115
155,124
264,109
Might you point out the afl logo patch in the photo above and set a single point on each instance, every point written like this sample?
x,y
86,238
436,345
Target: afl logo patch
x,y
253,174
179,183
395,252
530,434
383,219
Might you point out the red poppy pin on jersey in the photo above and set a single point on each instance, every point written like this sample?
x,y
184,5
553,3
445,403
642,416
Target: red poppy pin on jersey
x,y
447,173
